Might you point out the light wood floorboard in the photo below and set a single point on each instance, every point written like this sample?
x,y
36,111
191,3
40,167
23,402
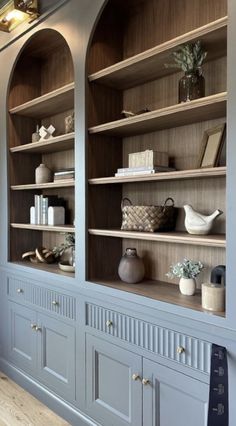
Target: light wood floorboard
x,y
18,407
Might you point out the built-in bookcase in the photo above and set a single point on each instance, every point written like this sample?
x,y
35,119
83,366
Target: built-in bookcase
x,y
41,92
126,70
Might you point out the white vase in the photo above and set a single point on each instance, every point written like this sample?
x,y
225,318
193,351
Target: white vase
x,y
187,286
43,174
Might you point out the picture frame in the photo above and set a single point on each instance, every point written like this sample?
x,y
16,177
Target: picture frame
x,y
212,143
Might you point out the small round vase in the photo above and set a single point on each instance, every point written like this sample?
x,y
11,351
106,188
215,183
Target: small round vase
x,y
191,86
43,174
187,286
131,267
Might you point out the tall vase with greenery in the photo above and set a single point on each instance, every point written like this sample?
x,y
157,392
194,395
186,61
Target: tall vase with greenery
x,y
189,58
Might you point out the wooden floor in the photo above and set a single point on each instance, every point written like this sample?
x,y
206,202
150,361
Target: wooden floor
x,y
18,407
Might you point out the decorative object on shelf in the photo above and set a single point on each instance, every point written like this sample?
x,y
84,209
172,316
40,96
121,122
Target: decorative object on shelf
x,y
46,133
212,144
70,123
68,244
131,268
64,174
148,158
213,293
36,135
39,213
39,255
190,58
127,114
148,218
66,267
187,271
56,215
197,223
43,174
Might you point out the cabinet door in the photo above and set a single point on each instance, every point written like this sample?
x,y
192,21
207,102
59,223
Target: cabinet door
x,y
113,398
57,355
172,398
22,337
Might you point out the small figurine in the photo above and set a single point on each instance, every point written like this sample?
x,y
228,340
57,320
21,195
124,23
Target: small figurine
x,y
46,133
197,223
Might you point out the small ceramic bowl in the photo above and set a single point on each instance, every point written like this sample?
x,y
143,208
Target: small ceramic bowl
x,y
66,267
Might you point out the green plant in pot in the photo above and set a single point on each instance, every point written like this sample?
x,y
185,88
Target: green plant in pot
x,y
190,58
187,271
69,244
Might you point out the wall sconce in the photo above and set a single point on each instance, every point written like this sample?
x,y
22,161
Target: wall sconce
x,y
15,12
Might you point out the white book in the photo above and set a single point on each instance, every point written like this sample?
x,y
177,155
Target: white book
x,y
32,216
45,211
36,205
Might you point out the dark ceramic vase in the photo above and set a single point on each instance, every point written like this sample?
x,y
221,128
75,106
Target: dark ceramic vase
x,y
131,267
191,86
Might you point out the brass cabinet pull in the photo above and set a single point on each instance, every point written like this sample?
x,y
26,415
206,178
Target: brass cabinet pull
x,y
136,377
109,323
55,303
38,328
33,326
20,290
146,382
180,350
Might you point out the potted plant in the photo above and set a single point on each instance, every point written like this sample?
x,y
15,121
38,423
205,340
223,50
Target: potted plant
x,y
187,271
68,244
189,58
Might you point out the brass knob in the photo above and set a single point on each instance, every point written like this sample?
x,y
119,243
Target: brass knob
x,y
55,303
38,328
180,350
33,326
20,290
109,323
145,382
136,377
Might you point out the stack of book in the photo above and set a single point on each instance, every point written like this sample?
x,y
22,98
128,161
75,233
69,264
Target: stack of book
x,y
39,212
64,174
133,171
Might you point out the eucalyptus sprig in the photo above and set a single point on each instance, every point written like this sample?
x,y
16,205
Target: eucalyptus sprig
x,y
189,57
69,242
186,269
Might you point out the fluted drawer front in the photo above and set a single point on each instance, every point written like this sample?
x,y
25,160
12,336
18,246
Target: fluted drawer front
x,y
178,347
53,301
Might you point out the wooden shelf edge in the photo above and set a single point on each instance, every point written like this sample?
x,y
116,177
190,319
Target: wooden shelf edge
x,y
185,107
150,54
175,175
167,237
52,268
161,291
39,146
44,98
47,228
60,184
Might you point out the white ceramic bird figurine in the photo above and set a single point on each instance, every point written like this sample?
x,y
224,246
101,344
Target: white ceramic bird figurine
x,y
197,223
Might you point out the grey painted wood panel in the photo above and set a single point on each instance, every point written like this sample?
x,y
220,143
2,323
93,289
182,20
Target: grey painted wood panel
x,y
171,398
112,397
22,339
48,299
156,339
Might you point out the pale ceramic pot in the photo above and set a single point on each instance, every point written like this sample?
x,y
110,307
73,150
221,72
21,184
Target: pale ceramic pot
x,y
187,286
131,267
43,174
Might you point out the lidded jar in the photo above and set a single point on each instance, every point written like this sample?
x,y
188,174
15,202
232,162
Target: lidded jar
x,y
131,268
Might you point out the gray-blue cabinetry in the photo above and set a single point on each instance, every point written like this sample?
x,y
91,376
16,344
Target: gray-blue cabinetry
x,y
171,398
43,346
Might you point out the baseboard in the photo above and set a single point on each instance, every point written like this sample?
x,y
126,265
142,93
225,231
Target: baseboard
x,y
60,407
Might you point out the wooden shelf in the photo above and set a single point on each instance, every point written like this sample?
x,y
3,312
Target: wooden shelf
x,y
55,144
162,291
207,108
53,268
53,102
50,185
177,175
167,237
48,228
150,64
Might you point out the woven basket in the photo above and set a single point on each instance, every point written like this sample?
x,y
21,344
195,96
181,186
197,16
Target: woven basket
x,y
148,218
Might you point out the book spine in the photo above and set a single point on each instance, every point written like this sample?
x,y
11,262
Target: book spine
x,y
32,215
45,211
36,202
40,210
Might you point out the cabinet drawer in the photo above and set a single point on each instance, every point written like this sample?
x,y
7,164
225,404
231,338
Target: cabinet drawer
x,y
53,301
170,344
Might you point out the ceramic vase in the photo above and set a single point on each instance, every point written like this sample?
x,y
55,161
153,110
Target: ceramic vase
x,y
187,286
131,267
43,174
